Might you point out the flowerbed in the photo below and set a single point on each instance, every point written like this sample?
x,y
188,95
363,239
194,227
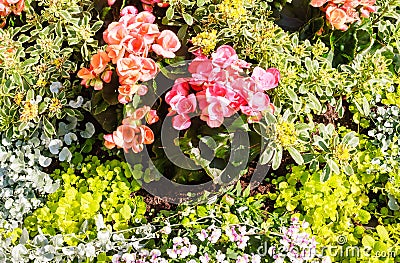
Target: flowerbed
x,y
199,131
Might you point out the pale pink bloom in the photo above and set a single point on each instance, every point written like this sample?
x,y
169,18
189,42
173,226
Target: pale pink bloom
x,y
266,79
149,32
166,44
131,10
145,17
148,70
318,3
130,66
134,43
224,56
115,33
115,52
337,17
111,2
181,122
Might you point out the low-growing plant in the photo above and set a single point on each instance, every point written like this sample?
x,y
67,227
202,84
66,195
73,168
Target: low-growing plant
x,y
91,188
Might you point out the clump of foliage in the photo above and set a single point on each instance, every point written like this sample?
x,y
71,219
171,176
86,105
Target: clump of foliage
x,y
90,189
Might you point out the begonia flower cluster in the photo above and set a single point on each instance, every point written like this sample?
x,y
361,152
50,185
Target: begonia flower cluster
x,y
341,13
218,89
132,134
130,41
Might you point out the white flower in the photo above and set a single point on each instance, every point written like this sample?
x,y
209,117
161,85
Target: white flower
x,y
166,230
220,256
255,259
202,235
205,258
215,235
192,249
129,258
172,253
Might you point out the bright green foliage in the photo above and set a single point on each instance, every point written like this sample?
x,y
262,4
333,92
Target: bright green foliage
x,y
93,188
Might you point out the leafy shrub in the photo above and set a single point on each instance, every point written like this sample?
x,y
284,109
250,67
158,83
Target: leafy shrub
x,y
43,52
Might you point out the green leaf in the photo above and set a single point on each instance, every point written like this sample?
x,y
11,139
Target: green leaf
x,y
125,211
382,232
188,19
348,169
368,241
266,155
200,3
170,12
277,159
326,173
295,155
333,165
48,127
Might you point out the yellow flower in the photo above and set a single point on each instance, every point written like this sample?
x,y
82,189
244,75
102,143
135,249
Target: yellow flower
x,y
206,40
342,152
30,111
58,62
55,105
286,133
41,82
232,9
18,98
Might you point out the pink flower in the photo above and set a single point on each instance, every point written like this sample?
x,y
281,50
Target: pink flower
x,y
149,32
99,62
129,69
151,117
224,56
145,17
129,10
126,92
148,70
337,17
181,122
318,3
115,52
106,76
166,44
115,33
134,43
266,79
111,2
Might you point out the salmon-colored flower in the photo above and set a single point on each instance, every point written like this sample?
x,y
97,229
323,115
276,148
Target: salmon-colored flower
x,y
318,3
145,17
337,17
129,67
134,43
166,44
115,52
115,33
99,62
149,32
106,76
152,117
149,69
